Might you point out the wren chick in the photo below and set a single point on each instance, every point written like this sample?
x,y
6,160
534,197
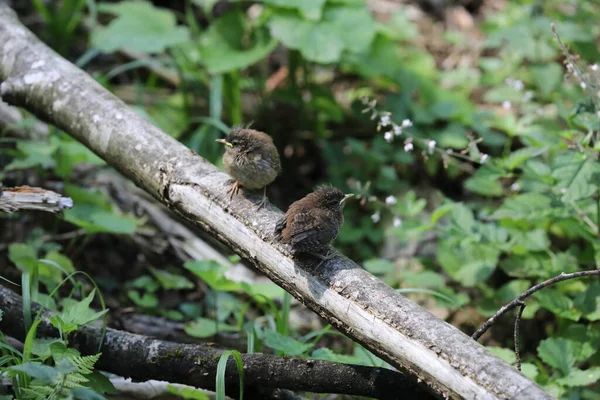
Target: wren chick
x,y
251,159
313,222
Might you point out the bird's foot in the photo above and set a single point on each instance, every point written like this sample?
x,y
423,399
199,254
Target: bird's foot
x,y
323,258
264,200
234,190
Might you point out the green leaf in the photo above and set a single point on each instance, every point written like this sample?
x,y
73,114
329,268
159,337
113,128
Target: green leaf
x,y
78,313
558,353
547,77
222,49
507,355
288,345
139,27
35,154
147,300
422,279
324,41
60,351
589,302
574,175
41,346
558,303
93,220
468,264
577,377
518,157
23,256
203,327
533,240
171,281
379,266
326,354
529,370
523,206
61,260
187,393
83,393
44,373
484,186
211,272
310,9
462,217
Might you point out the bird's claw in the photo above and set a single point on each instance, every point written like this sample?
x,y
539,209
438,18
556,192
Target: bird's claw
x,y
234,190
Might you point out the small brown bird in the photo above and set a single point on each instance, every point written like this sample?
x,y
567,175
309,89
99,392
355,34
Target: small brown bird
x,y
251,159
313,222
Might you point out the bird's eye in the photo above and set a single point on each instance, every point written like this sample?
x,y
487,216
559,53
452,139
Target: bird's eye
x,y
235,142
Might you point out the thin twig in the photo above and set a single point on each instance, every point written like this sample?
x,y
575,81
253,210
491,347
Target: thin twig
x,y
516,302
517,323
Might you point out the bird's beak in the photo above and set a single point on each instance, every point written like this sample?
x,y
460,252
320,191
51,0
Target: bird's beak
x,y
225,142
346,197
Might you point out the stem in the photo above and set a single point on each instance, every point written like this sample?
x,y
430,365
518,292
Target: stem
x,y
516,302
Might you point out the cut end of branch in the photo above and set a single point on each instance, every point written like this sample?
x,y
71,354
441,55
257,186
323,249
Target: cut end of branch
x,y
30,198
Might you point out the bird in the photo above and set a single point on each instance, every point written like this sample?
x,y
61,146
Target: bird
x,y
252,159
313,222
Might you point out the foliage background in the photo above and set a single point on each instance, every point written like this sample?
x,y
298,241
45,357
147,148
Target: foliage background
x,y
477,168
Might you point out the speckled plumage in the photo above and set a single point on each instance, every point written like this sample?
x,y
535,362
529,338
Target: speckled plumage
x,y
313,222
251,159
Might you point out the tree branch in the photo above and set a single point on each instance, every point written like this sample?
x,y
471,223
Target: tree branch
x,y
32,199
354,301
519,300
144,358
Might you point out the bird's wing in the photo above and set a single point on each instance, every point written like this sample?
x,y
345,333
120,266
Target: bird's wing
x,y
311,229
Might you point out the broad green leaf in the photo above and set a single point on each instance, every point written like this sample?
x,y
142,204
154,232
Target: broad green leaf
x,y
547,77
422,279
147,300
324,41
573,173
558,303
23,256
35,154
203,327
326,354
288,345
526,241
60,351
529,370
507,355
267,289
558,353
41,347
211,272
139,27
222,48
65,366
484,186
171,281
83,393
518,157
589,302
187,393
61,260
577,377
310,9
468,264
523,206
462,217
78,313
71,153
379,266
44,373
93,220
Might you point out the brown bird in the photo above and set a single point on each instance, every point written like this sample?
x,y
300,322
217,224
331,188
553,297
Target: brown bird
x,y
251,159
313,222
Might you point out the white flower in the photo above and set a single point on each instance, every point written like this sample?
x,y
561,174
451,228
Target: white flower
x,y
518,85
506,105
408,147
483,158
390,200
594,67
527,96
388,136
397,130
583,85
569,66
406,123
375,217
397,222
431,146
515,187
385,120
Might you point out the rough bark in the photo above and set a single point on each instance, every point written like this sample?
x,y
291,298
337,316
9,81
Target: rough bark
x,y
357,303
26,198
142,358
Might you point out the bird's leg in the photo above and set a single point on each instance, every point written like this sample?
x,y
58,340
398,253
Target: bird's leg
x,y
264,200
328,256
234,190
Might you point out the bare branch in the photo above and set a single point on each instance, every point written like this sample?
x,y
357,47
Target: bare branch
x,y
354,301
522,306
517,302
28,198
144,358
